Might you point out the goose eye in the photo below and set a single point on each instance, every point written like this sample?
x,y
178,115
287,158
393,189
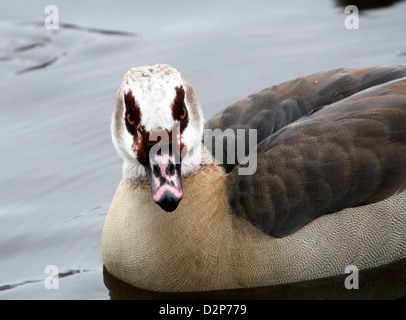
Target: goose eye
x,y
183,113
130,120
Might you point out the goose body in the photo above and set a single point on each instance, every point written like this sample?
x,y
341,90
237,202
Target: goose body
x,y
329,189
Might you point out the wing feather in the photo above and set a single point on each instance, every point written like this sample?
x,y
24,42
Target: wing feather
x,y
349,153
273,108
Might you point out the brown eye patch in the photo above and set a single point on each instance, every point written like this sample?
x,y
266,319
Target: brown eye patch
x,y
132,113
179,111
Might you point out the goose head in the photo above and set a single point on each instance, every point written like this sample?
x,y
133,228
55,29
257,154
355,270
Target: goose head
x,y
156,129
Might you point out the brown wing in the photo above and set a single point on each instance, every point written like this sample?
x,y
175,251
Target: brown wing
x,y
347,154
271,109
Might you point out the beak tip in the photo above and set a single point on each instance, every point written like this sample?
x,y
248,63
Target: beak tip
x,y
169,202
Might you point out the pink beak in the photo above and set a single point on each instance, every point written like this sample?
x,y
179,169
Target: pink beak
x,y
164,175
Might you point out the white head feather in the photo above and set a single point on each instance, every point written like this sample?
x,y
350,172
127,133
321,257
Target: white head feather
x,y
153,88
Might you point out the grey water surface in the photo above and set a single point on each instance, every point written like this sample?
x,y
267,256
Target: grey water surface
x,y
59,169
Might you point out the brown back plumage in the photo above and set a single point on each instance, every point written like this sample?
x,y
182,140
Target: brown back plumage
x,y
325,142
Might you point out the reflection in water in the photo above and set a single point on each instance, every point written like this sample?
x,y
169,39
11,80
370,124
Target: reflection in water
x,y
39,66
366,4
386,282
76,27
42,51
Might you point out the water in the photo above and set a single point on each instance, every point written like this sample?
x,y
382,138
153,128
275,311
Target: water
x,y
59,169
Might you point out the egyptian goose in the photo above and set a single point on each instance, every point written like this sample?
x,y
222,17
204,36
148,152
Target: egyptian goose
x,y
327,190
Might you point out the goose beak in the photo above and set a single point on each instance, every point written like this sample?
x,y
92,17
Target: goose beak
x,y
164,175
